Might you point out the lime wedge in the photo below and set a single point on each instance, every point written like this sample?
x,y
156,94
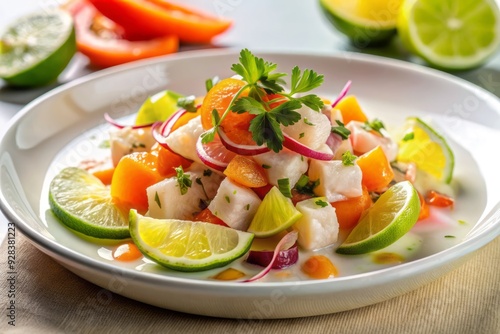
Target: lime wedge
x,y
449,34
365,22
422,145
158,107
83,203
275,214
186,245
391,217
36,48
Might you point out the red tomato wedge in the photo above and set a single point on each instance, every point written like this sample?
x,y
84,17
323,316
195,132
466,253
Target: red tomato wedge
x,y
100,39
145,19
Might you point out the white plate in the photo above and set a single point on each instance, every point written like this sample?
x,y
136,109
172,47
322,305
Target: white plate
x,y
41,139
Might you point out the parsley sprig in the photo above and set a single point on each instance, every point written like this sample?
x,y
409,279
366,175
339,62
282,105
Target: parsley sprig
x,y
262,81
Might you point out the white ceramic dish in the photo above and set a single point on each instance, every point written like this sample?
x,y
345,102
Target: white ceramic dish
x,y
36,145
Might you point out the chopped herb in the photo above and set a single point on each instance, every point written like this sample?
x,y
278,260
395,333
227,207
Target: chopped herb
x,y
200,182
247,207
262,80
207,172
305,186
209,83
284,187
449,236
187,103
234,192
227,199
375,125
321,203
306,121
409,136
157,199
183,180
301,135
341,130
266,166
348,158
105,144
138,145
462,222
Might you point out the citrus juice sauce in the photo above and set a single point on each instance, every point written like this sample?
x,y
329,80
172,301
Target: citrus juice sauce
x,y
443,229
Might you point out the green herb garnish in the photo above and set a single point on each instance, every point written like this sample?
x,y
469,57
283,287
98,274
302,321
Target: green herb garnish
x,y
183,180
262,80
284,187
375,125
321,203
187,103
348,158
341,130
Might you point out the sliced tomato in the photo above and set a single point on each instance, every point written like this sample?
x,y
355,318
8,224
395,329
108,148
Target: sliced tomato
x,y
100,39
144,19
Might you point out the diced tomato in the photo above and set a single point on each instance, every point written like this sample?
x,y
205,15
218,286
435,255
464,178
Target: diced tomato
x,y
424,208
145,19
440,200
101,39
207,216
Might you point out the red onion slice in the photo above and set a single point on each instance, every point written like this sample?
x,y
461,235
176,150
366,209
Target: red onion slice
x,y
286,257
334,141
113,122
302,149
239,148
288,241
342,94
214,154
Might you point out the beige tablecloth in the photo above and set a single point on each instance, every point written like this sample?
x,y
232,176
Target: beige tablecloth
x,y
465,301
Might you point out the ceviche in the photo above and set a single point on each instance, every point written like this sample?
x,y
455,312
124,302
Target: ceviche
x,y
258,176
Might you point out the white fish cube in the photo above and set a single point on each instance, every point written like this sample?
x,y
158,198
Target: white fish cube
x,y
318,227
363,141
312,130
165,200
285,164
235,205
337,182
183,140
127,140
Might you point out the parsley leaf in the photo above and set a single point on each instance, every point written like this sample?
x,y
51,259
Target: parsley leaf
x,y
209,83
341,130
375,125
348,158
265,129
183,180
187,103
304,82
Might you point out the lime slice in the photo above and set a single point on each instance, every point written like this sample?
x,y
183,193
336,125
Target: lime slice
x,y
451,35
186,245
365,22
36,48
422,145
275,214
391,217
83,203
158,107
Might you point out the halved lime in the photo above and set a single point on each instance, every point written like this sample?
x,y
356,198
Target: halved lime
x,y
275,214
83,203
158,107
451,34
186,245
36,48
365,22
429,150
391,217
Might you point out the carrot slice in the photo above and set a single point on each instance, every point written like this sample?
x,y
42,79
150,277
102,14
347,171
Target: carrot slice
x,y
134,173
167,161
377,172
349,211
246,171
351,110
